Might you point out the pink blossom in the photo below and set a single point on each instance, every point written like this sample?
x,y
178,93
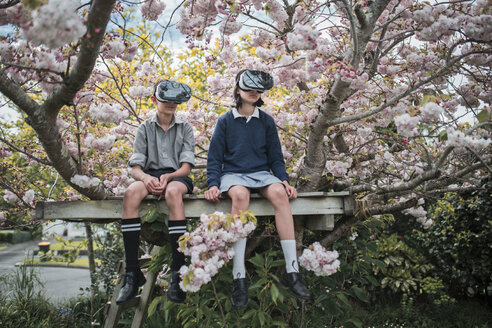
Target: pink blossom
x,y
84,181
101,144
5,152
407,125
108,113
10,197
28,196
277,12
55,24
302,38
210,246
230,26
113,48
140,91
317,259
152,9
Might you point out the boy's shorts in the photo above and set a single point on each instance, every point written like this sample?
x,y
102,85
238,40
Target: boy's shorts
x,y
185,180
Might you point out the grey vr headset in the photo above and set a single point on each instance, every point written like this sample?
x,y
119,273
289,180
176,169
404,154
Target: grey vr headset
x,y
255,80
172,91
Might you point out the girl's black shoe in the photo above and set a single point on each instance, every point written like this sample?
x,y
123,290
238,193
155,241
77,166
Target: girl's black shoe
x,y
293,281
239,297
175,293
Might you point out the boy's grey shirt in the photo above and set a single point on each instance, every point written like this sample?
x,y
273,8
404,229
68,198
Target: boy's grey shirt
x,y
156,149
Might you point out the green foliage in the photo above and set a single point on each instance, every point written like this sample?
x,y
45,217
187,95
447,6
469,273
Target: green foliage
x,y
436,291
458,242
405,267
411,312
109,252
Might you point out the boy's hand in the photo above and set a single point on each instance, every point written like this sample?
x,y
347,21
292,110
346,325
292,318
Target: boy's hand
x,y
164,179
152,184
212,194
291,191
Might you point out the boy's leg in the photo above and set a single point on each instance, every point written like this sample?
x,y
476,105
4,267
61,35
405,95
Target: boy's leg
x,y
177,227
130,227
284,221
240,203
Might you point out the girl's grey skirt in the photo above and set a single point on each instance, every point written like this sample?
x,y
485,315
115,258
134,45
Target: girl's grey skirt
x,y
253,180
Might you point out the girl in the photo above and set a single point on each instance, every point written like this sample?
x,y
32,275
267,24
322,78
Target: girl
x,y
244,152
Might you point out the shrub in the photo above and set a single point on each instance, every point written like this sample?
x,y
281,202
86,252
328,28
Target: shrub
x,y
458,242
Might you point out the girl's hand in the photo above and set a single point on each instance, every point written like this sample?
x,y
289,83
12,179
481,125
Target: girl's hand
x,y
212,194
291,191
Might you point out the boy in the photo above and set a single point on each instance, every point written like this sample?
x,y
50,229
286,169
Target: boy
x,y
163,155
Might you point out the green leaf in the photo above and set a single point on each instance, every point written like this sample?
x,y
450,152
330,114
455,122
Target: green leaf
x,y
342,297
153,305
443,135
261,317
356,322
248,314
274,293
258,260
483,116
359,293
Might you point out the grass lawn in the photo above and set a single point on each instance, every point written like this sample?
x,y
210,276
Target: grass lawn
x,y
70,245
78,262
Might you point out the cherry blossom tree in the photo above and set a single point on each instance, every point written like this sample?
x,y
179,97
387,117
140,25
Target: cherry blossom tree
x,y
387,99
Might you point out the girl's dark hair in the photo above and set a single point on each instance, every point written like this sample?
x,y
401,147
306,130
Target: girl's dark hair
x,y
237,97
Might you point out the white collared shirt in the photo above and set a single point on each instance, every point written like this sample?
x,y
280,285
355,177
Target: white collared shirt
x,y
256,114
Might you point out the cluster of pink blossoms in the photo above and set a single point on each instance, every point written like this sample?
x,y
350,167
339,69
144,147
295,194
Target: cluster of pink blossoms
x,y
55,24
317,259
152,9
210,246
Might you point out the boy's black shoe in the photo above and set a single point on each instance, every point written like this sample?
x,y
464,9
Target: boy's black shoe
x,y
293,281
175,293
133,280
239,297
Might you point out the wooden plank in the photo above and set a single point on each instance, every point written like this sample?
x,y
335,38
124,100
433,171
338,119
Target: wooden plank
x,y
113,311
145,298
312,203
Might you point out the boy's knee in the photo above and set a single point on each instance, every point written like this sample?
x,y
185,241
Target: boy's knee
x,y
173,194
134,192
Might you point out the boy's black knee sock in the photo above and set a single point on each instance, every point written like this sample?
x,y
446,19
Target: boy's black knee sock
x,y
131,239
176,230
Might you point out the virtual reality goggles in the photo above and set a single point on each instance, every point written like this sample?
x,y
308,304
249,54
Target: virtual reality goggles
x,y
172,91
255,80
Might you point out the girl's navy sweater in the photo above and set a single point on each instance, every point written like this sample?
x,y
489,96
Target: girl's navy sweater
x,y
240,147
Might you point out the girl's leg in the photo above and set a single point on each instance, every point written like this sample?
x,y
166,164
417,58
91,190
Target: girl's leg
x,y
239,296
284,221
177,227
285,226
240,203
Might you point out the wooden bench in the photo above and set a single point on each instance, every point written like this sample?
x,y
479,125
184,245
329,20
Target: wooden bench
x,y
317,208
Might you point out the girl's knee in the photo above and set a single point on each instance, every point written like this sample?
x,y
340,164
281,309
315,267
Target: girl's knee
x,y
277,191
239,194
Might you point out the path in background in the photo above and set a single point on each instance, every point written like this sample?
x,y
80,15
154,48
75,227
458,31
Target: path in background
x,y
59,282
